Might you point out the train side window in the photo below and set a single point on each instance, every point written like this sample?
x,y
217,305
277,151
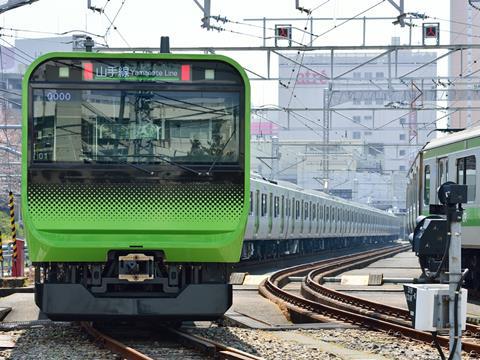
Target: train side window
x,y
471,177
442,170
251,202
320,212
426,186
276,206
314,212
305,211
264,204
289,204
283,207
467,175
297,209
270,205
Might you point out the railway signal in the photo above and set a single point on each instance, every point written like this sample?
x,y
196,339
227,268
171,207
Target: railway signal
x,y
431,31
283,32
435,238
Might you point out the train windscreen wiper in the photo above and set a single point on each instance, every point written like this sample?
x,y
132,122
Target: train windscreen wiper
x,y
152,172
219,155
135,166
168,161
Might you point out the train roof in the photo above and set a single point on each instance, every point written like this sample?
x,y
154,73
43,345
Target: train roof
x,y
453,138
291,186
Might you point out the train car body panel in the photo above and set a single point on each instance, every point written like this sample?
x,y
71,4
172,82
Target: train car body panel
x,y
136,181
198,221
454,157
285,219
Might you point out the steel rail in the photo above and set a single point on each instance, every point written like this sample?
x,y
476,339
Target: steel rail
x,y
206,346
312,285
113,345
216,349
271,288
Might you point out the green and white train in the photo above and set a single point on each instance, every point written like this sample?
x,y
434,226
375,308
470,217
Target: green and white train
x,y
455,158
285,219
136,174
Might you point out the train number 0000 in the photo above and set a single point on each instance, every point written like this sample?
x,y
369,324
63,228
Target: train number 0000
x,y
59,96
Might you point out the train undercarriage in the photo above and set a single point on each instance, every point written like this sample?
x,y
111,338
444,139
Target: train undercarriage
x,y
271,249
133,285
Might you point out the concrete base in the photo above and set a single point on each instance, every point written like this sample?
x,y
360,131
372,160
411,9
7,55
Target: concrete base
x,y
403,265
22,307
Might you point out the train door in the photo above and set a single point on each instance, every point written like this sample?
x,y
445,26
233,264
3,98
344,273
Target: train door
x,y
426,188
442,173
327,219
466,169
257,211
313,214
321,219
332,219
282,214
294,213
302,210
270,213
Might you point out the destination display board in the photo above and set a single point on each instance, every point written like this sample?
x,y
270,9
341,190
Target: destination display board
x,y
135,70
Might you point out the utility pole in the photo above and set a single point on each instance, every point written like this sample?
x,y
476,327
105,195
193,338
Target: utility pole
x,y
326,136
275,157
12,4
454,221
206,13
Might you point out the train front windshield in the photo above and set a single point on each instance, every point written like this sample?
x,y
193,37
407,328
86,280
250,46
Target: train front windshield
x,y
135,126
150,112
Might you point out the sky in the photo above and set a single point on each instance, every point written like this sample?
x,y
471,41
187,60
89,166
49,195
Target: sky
x,y
142,23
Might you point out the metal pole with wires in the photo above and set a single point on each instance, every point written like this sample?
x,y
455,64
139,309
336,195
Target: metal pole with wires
x,y
14,234
452,196
441,307
1,254
454,278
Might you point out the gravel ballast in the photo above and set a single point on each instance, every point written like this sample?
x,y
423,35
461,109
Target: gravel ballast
x,y
68,341
272,344
56,341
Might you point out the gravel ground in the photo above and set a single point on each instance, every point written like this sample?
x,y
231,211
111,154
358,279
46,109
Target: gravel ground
x,y
58,341
267,345
261,343
165,350
67,341
394,347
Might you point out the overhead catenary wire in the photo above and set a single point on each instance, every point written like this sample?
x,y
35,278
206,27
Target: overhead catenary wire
x,y
116,29
348,20
28,56
112,23
293,95
12,56
105,6
51,32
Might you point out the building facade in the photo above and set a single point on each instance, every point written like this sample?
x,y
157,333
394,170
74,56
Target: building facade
x,y
355,136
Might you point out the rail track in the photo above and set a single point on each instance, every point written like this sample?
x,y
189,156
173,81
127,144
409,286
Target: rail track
x,y
172,348
320,303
